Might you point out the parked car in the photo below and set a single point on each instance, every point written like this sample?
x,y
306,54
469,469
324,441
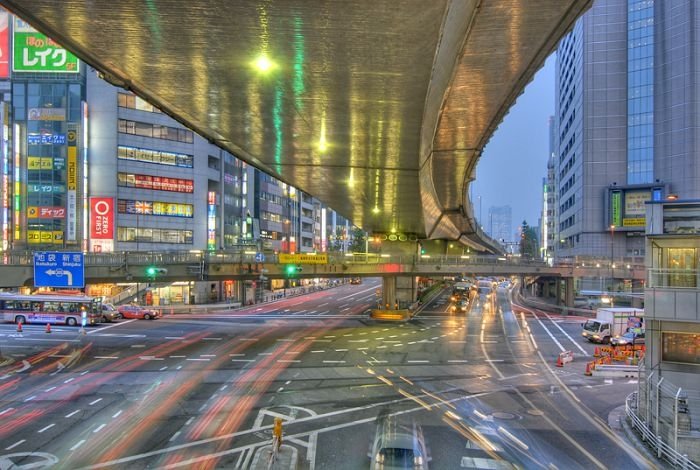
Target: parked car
x,y
627,338
138,312
110,313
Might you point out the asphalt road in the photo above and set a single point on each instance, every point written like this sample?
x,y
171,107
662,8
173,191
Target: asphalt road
x,y
203,390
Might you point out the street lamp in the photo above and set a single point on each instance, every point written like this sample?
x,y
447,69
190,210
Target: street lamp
x,y
612,261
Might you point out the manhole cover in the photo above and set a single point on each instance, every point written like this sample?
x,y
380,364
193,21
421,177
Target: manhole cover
x,y
503,415
535,412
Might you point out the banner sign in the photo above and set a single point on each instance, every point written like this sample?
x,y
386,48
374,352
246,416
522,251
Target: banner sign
x,y
4,44
32,51
101,218
320,258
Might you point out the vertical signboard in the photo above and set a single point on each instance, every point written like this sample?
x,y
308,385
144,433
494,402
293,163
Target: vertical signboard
x,y
211,221
72,185
616,208
4,44
101,224
32,51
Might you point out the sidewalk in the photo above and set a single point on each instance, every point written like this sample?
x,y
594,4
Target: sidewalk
x,y
617,420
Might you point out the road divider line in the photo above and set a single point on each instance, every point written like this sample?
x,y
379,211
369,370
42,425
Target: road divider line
x,y
16,444
80,442
46,428
585,353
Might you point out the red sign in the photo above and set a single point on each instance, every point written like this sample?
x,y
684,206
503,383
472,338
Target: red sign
x,y
4,44
101,218
46,212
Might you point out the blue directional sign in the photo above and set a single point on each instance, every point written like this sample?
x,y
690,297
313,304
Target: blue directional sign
x,y
58,269
260,257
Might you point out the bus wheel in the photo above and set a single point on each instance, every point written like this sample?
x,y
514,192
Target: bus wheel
x,y
20,319
71,321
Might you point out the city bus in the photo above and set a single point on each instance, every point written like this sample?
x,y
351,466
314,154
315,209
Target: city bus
x,y
63,309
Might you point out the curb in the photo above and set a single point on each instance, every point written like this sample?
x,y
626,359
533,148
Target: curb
x,y
619,424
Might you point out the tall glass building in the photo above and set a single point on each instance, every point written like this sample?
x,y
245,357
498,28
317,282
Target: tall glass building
x,y
626,84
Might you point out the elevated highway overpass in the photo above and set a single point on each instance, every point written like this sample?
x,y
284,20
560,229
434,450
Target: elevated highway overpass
x,y
379,108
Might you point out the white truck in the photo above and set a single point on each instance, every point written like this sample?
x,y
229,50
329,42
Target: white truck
x,y
612,322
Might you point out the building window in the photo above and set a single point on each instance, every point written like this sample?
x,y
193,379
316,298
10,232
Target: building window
x,y
154,235
681,347
682,267
156,131
127,100
156,183
158,208
155,156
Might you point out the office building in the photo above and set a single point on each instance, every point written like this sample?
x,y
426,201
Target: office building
x,y
500,223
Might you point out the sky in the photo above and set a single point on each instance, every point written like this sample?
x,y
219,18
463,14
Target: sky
x,y
514,161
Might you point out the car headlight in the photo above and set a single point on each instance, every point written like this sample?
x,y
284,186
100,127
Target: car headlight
x,y
596,336
379,458
418,461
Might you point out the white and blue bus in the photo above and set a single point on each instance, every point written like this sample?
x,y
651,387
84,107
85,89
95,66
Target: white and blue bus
x,y
60,309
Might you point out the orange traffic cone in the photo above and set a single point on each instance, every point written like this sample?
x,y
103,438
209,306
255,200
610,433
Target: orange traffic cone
x,y
596,353
559,362
19,327
588,369
48,327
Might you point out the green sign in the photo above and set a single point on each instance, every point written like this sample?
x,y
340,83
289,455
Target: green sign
x,y
32,51
616,208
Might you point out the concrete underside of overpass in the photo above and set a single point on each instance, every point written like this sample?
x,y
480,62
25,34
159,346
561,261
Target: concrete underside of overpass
x,y
380,109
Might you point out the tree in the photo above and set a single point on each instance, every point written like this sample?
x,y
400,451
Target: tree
x,y
357,241
529,245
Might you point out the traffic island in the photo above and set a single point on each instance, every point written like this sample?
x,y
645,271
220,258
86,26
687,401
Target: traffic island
x,y
390,315
285,459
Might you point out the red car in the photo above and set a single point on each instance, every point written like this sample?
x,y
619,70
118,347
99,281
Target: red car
x,y
138,312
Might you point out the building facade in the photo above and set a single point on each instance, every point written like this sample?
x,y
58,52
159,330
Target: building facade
x,y
500,223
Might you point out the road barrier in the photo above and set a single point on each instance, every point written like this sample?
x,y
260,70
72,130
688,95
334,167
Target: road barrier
x,y
564,357
616,370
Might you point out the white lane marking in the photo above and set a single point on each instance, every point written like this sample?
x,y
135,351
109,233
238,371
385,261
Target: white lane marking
x,y
400,344
237,354
174,337
99,428
96,401
362,349
163,368
288,382
513,438
211,339
189,421
381,347
247,339
288,361
284,339
116,415
106,357
30,398
46,427
549,333
418,361
207,355
80,442
329,336
73,413
341,350
280,389
458,341
265,354
321,341
5,411
15,444
177,357
334,362
242,360
460,361
318,351
138,345
197,359
175,436
585,353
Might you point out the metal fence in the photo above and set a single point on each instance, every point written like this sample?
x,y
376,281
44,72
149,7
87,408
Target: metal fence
x,y
667,418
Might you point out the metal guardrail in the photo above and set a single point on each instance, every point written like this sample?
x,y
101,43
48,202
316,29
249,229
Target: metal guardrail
x,y
662,449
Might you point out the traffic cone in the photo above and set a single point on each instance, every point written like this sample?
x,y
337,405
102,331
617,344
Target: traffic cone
x,y
596,353
19,327
48,327
588,369
559,362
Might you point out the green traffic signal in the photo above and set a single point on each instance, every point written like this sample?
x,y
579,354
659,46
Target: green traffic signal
x,y
151,271
290,269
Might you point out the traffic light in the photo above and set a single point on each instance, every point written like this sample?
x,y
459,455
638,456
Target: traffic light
x,y
292,269
153,271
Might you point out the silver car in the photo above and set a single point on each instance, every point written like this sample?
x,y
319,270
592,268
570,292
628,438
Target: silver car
x,y
398,444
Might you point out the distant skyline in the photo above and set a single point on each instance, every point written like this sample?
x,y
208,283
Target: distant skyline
x,y
514,161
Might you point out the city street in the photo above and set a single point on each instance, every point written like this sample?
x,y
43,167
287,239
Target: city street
x,y
204,389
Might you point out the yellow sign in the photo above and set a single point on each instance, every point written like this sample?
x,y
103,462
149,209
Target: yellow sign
x,y
321,258
32,212
636,222
39,163
72,168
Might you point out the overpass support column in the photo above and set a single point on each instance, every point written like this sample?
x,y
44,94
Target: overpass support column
x,y
399,290
569,291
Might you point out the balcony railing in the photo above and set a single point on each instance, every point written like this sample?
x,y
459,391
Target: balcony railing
x,y
673,278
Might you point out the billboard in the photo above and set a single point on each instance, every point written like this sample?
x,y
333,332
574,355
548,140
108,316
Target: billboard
x,y
32,51
627,206
4,44
320,258
101,218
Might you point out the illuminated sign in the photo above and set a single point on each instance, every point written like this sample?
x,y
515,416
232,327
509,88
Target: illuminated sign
x,y
102,218
72,183
46,114
211,220
46,139
169,209
44,212
32,51
158,183
320,258
616,208
4,44
39,163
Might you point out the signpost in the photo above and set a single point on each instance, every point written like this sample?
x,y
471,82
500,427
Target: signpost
x,y
59,269
260,257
